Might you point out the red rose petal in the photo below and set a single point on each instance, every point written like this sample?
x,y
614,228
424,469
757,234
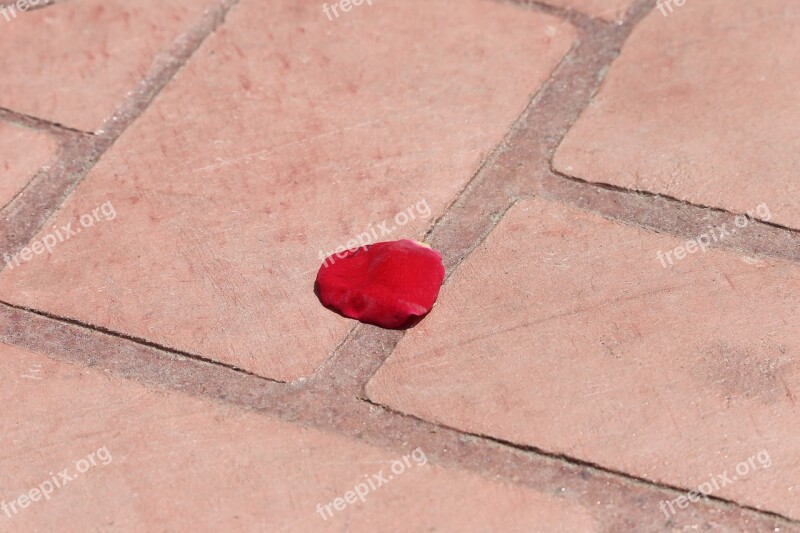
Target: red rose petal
x,y
389,284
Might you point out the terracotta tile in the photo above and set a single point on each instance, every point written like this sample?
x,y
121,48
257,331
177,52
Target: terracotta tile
x,y
60,71
164,461
564,332
22,153
605,9
697,108
272,146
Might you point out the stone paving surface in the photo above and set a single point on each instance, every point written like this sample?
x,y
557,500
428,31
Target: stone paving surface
x,y
173,465
611,185
696,108
95,52
311,171
666,373
23,152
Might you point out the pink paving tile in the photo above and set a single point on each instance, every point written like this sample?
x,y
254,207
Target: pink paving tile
x,y
63,72
698,108
164,461
565,332
605,9
274,145
22,153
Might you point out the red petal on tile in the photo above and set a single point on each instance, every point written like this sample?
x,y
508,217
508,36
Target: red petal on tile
x,y
389,284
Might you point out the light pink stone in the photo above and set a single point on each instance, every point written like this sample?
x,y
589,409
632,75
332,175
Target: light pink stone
x,y
276,143
73,62
22,153
701,106
173,462
564,331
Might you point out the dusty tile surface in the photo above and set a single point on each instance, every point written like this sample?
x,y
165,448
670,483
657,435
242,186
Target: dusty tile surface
x,y
565,332
22,153
605,9
95,52
231,184
163,461
677,116
585,369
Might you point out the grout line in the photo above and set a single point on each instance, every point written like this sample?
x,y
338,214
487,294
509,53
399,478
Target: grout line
x,y
365,348
63,140
29,211
674,489
574,16
36,123
619,496
321,406
138,340
343,358
581,463
164,67
493,189
669,198
666,214
588,485
147,364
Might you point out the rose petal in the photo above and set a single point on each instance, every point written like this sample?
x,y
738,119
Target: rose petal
x,y
389,284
